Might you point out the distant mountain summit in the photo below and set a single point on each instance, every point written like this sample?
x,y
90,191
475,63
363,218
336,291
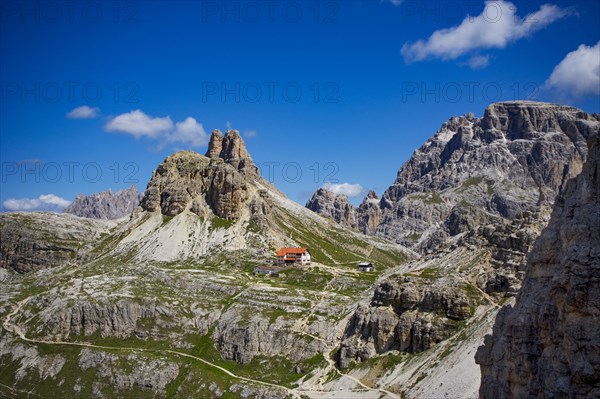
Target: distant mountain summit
x,y
489,182
105,204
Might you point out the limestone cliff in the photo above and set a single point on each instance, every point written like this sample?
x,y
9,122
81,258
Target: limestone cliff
x,y
548,344
38,240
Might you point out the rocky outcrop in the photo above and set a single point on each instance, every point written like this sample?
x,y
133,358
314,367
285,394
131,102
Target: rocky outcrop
x,y
369,213
147,374
205,185
365,218
215,145
109,320
548,344
33,241
241,340
188,180
106,204
511,163
408,314
334,206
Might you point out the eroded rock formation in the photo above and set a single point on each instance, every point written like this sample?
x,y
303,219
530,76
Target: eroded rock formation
x,y
408,314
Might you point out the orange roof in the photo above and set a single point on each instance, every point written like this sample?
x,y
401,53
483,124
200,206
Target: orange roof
x,y
291,251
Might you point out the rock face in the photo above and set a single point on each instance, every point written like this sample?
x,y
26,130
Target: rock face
x,y
205,185
548,344
408,314
512,161
242,341
215,145
105,204
114,320
334,206
32,241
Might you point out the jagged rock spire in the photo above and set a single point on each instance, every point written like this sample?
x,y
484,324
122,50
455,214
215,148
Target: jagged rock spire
x,y
215,145
230,148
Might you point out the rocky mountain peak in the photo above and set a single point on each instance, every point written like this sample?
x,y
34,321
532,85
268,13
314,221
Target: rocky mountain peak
x,y
105,204
371,197
528,119
548,344
334,206
230,148
187,180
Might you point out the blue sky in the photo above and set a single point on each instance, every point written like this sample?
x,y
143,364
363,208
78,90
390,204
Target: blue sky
x,y
94,95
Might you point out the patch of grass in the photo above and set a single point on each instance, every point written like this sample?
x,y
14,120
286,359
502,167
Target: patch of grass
x,y
428,198
413,236
174,385
71,374
470,182
430,273
219,223
447,351
274,369
252,227
472,292
309,279
384,362
465,204
387,258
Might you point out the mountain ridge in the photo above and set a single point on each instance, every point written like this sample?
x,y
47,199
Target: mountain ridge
x,y
105,204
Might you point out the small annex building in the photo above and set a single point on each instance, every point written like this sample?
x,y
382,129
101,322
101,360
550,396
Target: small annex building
x,y
366,267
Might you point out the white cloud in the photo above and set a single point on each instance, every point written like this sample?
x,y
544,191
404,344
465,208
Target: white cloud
x,y
479,61
45,202
396,2
351,190
497,26
188,132
138,124
83,112
578,74
228,125
249,134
